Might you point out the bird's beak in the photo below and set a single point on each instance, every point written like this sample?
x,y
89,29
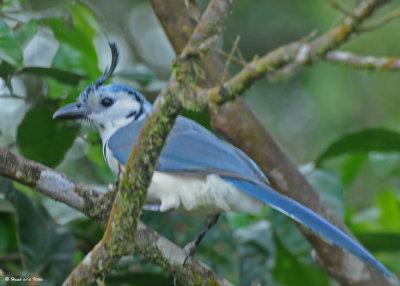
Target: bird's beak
x,y
74,110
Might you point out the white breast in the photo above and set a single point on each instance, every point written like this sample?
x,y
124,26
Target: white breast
x,y
198,195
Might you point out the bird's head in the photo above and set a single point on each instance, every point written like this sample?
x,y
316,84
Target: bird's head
x,y
107,107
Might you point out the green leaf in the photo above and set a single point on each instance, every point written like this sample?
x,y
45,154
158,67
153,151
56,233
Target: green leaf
x,y
288,234
6,72
256,249
202,117
330,187
391,260
140,73
238,220
351,167
367,140
10,50
390,210
63,76
384,163
43,139
76,52
25,32
46,249
380,240
83,62
95,155
8,236
300,273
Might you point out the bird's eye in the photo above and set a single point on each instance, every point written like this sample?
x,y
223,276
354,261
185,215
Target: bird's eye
x,y
107,101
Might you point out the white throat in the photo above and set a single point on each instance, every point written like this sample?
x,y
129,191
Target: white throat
x,y
107,128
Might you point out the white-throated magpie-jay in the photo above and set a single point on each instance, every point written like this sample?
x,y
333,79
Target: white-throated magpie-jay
x,y
196,173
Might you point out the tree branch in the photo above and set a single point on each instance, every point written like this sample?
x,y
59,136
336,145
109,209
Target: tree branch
x,y
54,185
389,17
288,57
363,62
83,198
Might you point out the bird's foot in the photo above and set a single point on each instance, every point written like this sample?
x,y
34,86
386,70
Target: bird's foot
x,y
189,250
191,247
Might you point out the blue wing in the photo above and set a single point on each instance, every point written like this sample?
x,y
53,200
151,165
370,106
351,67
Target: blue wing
x,y
191,148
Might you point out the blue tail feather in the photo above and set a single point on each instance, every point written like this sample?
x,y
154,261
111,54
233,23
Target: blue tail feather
x,y
309,219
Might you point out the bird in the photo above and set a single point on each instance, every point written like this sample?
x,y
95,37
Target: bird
x,y
197,173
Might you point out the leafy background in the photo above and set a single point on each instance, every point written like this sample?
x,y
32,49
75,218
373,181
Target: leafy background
x,y
340,125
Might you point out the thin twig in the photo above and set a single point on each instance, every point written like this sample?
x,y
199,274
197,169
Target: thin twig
x,y
241,57
339,7
235,59
389,17
228,61
364,62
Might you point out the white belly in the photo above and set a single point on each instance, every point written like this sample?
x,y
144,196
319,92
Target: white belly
x,y
197,195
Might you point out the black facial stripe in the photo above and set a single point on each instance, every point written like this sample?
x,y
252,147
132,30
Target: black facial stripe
x,y
139,113
134,113
130,114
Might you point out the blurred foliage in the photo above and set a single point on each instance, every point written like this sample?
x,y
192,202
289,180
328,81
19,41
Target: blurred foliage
x,y
45,248
344,121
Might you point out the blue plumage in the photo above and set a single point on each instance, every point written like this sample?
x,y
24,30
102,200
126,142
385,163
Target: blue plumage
x,y
190,148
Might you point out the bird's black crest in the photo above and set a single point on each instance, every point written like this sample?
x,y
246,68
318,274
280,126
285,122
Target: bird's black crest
x,y
107,73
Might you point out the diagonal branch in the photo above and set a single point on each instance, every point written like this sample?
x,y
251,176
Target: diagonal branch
x,y
54,185
83,198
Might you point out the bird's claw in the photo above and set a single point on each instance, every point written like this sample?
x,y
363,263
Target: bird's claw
x,y
189,250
